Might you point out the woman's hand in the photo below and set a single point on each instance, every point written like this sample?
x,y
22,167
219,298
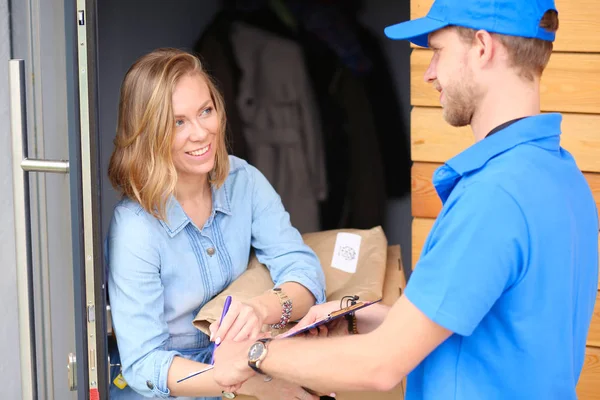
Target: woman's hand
x,y
281,390
243,321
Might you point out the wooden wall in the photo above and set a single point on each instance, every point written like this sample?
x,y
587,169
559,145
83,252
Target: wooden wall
x,y
570,84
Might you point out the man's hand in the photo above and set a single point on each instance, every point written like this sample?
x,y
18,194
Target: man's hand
x,y
314,314
231,364
278,389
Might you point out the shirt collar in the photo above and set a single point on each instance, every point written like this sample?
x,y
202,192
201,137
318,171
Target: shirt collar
x,y
526,130
503,126
177,219
544,129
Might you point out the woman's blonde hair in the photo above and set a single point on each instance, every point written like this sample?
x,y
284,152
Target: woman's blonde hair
x,y
141,166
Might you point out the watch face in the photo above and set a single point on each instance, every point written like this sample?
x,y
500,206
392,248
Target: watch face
x,y
256,351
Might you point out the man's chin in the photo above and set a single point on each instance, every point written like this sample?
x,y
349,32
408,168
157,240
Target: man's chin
x,y
455,120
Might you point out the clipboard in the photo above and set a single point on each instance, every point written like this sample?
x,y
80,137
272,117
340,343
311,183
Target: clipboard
x,y
330,317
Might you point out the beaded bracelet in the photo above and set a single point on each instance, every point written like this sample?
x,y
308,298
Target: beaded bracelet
x,y
286,304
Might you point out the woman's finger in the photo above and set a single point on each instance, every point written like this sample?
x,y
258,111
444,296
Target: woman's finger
x,y
228,321
256,331
246,329
245,314
264,335
213,330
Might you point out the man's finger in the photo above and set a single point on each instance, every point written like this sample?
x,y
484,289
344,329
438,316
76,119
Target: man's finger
x,y
307,320
323,331
304,395
233,389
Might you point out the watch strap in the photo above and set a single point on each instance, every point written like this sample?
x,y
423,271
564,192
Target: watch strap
x,y
255,365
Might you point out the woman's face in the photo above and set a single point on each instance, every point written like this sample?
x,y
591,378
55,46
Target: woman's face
x,y
196,131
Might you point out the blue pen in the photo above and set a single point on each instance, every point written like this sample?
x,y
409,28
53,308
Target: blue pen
x,y
212,358
223,314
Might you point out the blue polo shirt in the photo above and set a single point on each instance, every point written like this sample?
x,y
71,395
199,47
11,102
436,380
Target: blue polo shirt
x,y
511,267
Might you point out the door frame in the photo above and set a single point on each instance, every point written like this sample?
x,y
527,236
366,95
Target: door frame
x,y
90,277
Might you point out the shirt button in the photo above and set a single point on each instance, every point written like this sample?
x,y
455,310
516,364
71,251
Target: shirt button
x,y
210,251
150,385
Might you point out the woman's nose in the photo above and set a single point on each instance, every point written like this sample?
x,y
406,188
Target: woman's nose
x,y
198,133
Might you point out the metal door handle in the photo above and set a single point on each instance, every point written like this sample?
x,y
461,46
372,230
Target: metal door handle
x,y
72,372
21,168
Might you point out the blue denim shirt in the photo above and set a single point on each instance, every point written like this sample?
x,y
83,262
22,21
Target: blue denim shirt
x,y
160,273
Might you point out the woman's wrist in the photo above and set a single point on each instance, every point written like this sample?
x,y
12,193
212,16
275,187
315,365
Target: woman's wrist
x,y
268,306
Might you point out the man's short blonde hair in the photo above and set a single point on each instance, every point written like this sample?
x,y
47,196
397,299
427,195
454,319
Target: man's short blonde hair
x,y
141,165
529,55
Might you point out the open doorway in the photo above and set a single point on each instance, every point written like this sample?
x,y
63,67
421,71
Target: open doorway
x,y
367,185
359,81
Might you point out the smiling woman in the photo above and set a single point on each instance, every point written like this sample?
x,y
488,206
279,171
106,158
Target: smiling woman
x,y
189,218
162,92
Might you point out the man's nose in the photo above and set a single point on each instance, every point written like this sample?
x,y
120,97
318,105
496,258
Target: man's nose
x,y
431,73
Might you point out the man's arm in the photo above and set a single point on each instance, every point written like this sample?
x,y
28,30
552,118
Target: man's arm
x,y
370,318
373,361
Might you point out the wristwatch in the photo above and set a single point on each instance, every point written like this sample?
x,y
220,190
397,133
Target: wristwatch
x,y
257,353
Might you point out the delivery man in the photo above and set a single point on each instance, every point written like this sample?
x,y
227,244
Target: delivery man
x,y
500,302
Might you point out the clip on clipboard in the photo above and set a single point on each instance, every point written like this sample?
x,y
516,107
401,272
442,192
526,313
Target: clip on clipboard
x,y
330,317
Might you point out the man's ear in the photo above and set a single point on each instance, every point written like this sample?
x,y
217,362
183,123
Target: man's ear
x,y
484,47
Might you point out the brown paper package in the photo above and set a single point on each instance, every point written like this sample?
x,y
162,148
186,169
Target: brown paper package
x,y
385,280
366,282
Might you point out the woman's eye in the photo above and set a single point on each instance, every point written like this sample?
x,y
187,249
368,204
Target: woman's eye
x,y
178,122
207,111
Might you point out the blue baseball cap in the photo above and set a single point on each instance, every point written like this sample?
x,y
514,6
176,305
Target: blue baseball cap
x,y
507,17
